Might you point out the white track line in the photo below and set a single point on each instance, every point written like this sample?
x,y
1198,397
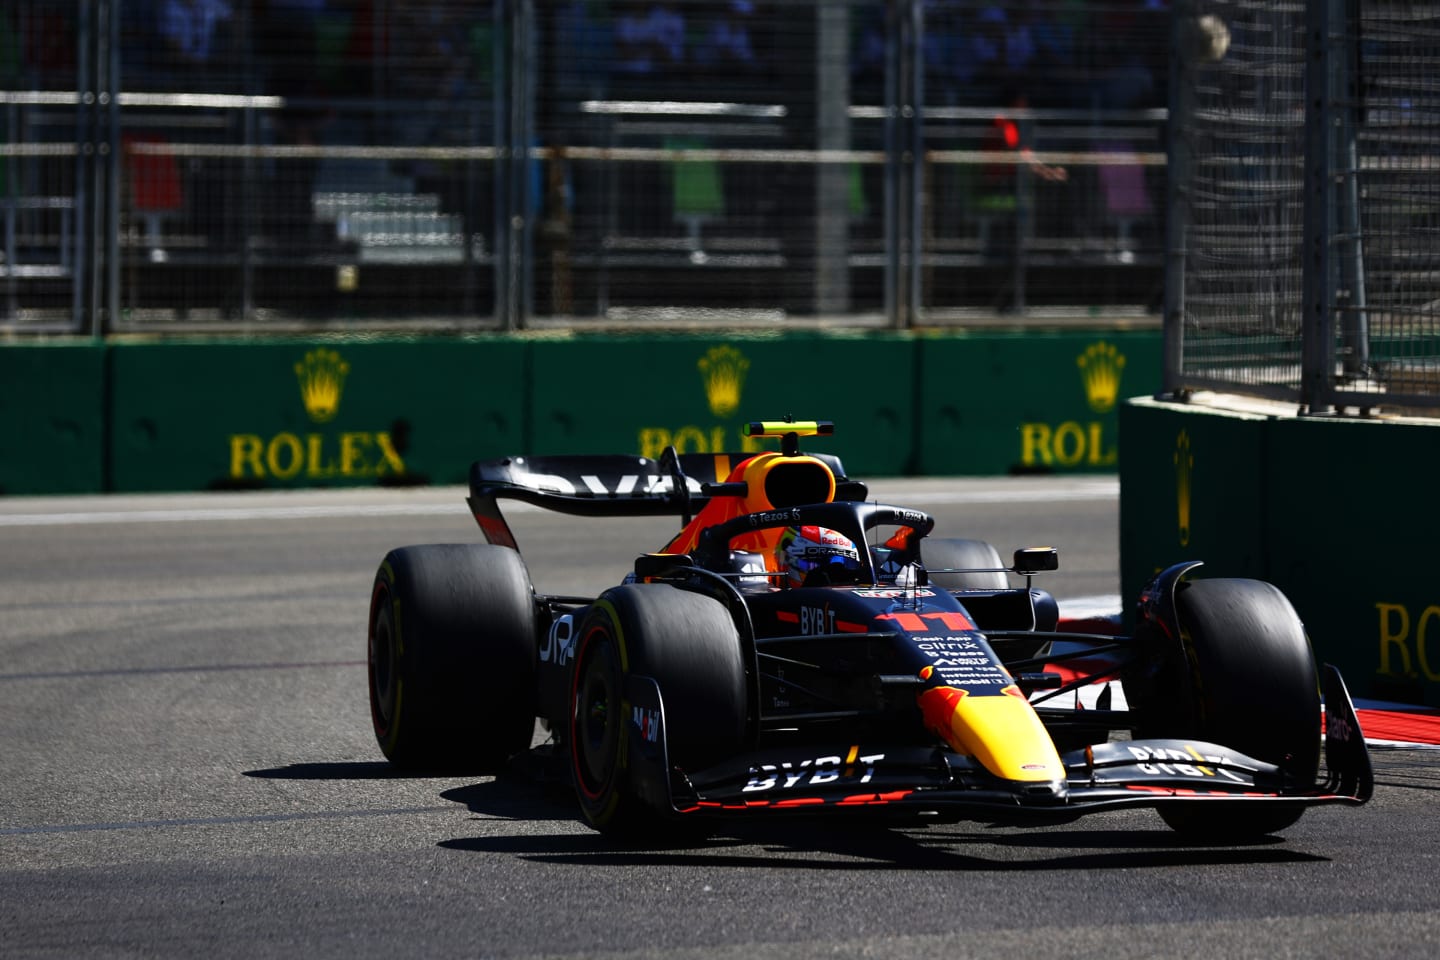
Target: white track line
x,y
237,509
183,515
1090,608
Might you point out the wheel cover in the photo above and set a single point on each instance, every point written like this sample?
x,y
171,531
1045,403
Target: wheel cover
x,y
597,718
382,662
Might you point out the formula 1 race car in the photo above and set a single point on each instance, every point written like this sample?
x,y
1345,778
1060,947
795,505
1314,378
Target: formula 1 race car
x,y
799,648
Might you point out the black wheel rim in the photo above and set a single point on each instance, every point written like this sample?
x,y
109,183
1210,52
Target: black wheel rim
x,y
597,718
382,664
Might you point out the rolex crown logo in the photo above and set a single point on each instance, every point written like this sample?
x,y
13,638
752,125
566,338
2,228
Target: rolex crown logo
x,y
1100,367
1184,470
724,371
322,378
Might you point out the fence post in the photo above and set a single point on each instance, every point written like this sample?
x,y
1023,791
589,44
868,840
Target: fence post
x,y
903,160
523,170
892,169
1177,197
832,208
504,245
85,234
97,189
1355,330
1324,26
109,101
916,147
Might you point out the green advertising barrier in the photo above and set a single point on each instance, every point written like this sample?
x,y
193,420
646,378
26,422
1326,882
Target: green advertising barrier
x,y
192,416
52,425
988,403
640,394
213,414
1334,512
1352,538
1030,401
1191,488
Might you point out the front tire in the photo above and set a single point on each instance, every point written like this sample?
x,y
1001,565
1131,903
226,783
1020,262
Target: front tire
x,y
688,644
452,657
1243,676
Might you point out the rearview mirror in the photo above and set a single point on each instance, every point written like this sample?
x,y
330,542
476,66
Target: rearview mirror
x,y
649,565
1030,560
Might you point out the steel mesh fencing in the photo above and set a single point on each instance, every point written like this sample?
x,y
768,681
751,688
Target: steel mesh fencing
x,y
41,251
171,165
1303,202
290,163
1237,156
1388,340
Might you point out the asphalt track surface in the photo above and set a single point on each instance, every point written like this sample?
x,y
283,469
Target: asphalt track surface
x,y
187,769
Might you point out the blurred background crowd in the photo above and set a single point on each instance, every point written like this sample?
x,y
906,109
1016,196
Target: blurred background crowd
x,y
653,155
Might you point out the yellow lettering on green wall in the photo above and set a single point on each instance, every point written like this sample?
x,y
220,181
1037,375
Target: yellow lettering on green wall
x,y
245,451
388,451
315,465
285,456
1035,444
1429,614
1394,639
353,447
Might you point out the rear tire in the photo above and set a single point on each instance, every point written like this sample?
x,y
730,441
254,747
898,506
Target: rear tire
x,y
942,554
1244,678
688,644
452,657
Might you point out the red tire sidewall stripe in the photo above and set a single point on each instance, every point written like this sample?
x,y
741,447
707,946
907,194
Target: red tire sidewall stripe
x,y
580,778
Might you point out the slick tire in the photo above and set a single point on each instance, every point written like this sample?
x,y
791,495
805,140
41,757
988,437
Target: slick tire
x,y
688,644
452,657
1247,681
942,554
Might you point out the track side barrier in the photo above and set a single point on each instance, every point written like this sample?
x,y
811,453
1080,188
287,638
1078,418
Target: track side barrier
x,y
206,415
52,418
1335,512
180,415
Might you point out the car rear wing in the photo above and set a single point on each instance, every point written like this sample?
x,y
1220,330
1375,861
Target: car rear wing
x,y
604,485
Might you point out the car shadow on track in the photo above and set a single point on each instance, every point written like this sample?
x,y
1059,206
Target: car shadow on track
x,y
836,844
531,790
348,770
515,798
520,792
886,849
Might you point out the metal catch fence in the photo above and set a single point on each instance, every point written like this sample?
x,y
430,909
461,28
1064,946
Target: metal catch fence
x,y
1304,203
173,165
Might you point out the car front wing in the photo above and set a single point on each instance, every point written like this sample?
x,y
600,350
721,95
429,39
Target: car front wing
x,y
855,776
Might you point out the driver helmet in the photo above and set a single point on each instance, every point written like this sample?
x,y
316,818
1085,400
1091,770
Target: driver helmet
x,y
803,550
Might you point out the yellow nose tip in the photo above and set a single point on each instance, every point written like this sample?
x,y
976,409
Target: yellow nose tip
x,y
1002,732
